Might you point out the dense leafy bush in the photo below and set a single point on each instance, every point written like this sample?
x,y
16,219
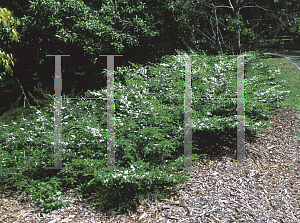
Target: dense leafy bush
x,y
149,120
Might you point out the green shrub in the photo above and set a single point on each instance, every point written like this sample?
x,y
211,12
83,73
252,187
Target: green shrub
x,y
149,119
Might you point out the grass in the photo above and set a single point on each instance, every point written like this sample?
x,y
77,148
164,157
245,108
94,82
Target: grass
x,y
291,74
149,133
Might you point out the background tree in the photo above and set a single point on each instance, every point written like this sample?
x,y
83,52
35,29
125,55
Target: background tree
x,y
218,28
142,31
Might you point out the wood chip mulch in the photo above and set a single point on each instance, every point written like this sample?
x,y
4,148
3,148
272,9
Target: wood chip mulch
x,y
265,190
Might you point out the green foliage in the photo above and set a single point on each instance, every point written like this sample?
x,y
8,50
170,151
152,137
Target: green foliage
x,y
149,130
45,192
141,31
290,73
213,22
9,24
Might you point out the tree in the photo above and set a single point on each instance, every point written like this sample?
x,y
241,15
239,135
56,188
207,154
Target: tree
x,y
140,30
241,23
9,24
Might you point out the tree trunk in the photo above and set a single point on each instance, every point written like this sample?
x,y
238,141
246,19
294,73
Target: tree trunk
x,y
218,31
237,41
256,39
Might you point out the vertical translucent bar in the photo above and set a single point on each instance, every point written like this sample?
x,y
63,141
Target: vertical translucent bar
x,y
57,114
187,115
110,112
240,112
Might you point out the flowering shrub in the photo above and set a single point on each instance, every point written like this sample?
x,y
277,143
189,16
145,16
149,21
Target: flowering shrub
x,y
149,120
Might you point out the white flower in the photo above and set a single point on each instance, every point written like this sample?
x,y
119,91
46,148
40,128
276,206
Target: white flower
x,y
94,131
21,128
96,94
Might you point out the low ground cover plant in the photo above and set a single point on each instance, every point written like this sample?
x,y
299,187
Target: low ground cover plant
x,y
149,121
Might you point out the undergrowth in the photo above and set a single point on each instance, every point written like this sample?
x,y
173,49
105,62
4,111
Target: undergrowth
x,y
149,128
